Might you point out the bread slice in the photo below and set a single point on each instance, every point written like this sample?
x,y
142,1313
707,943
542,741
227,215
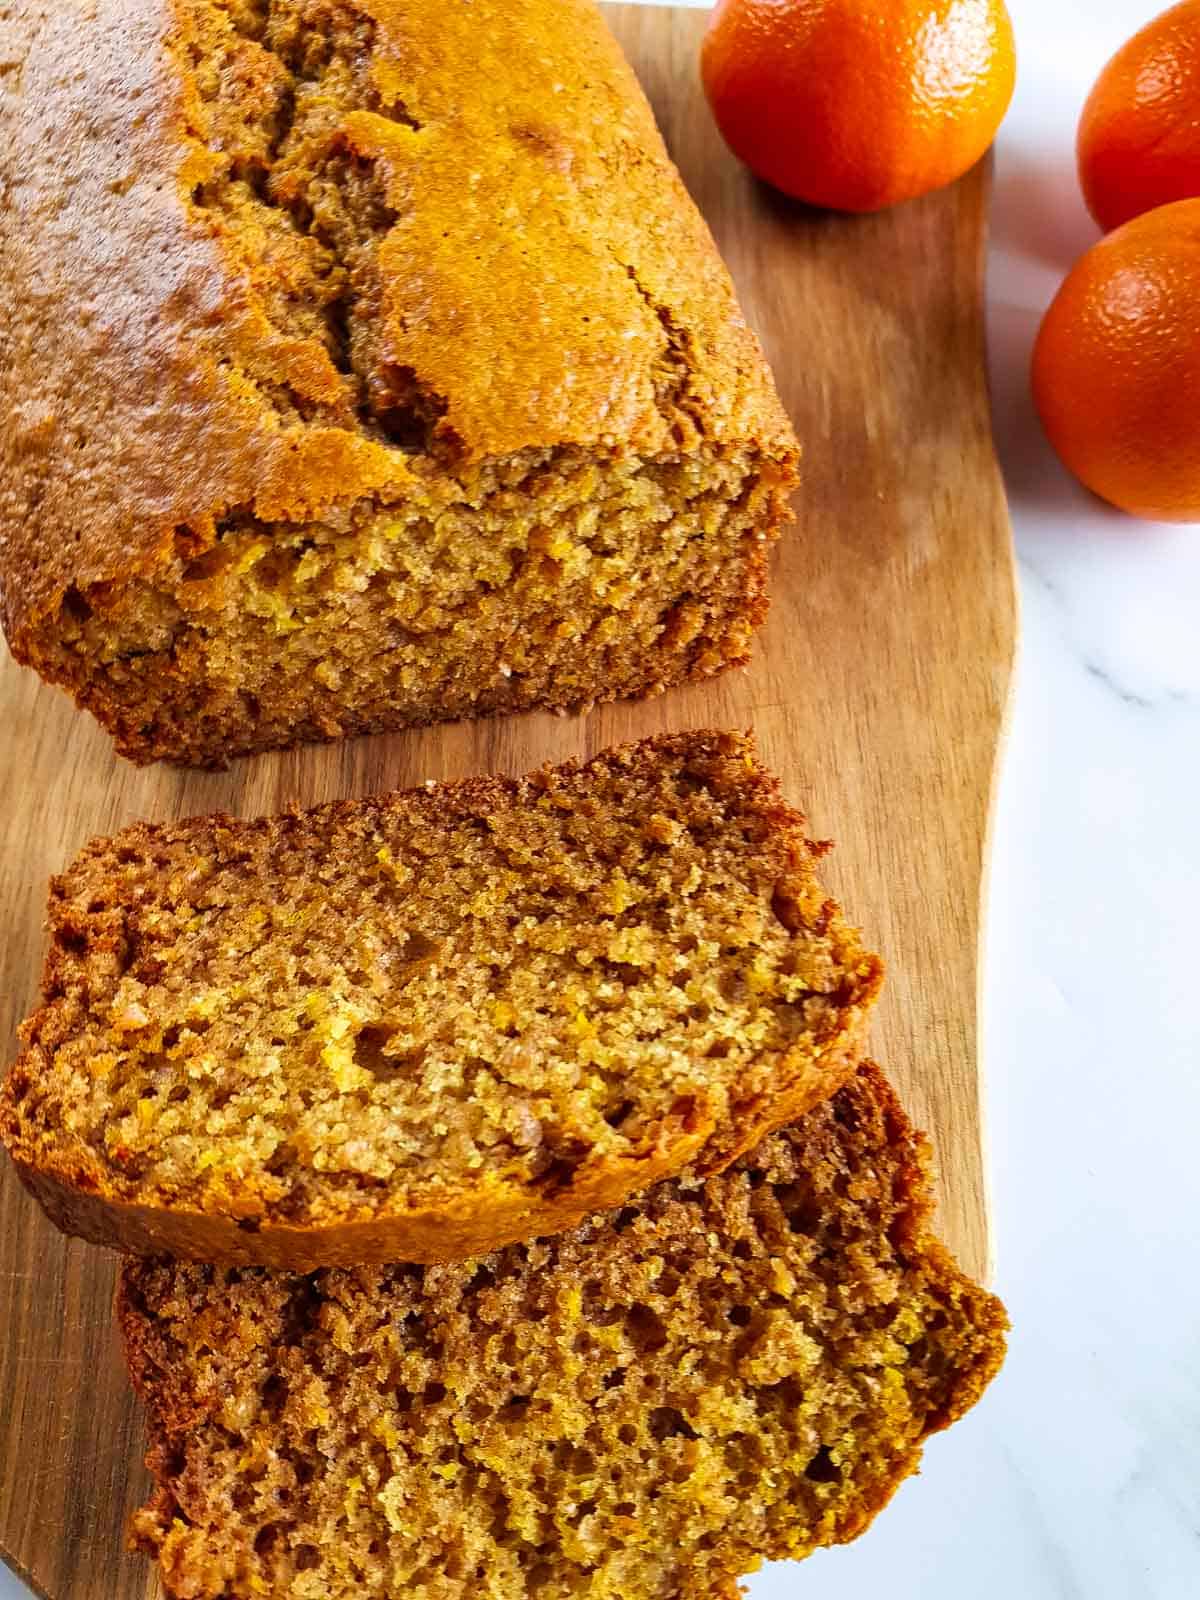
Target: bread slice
x,y
419,1027
363,366
642,1409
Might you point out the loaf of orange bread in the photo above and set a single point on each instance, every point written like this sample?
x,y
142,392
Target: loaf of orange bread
x,y
417,1027
365,364
641,1409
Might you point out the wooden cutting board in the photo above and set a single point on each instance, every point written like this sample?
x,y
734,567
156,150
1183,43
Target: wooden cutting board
x,y
878,692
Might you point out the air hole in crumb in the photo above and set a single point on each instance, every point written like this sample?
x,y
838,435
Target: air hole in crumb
x,y
419,947
283,1157
370,1046
800,1207
204,567
538,1577
822,1468
274,1395
557,1174
646,1329
267,1538
307,1557
515,1411
617,1115
75,606
786,909
684,1112
668,1423
740,1316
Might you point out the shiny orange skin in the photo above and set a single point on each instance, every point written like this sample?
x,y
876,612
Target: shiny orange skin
x,y
1116,367
859,104
1139,136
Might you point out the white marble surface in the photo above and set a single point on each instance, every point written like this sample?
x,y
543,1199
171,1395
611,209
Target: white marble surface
x,y
1078,1477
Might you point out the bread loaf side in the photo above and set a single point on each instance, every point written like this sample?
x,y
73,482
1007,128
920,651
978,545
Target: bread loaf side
x,y
367,364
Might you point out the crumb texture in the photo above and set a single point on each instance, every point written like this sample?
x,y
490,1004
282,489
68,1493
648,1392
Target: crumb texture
x,y
546,580
474,1003
416,388
642,1409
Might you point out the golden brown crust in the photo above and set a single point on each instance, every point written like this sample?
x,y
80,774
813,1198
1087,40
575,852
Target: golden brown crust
x,y
149,384
639,1410
430,1236
660,892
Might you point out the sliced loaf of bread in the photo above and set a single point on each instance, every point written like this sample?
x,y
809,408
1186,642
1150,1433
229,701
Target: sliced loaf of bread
x,y
640,1409
419,1027
365,365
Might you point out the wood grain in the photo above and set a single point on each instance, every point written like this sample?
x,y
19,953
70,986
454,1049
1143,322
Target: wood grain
x,y
878,692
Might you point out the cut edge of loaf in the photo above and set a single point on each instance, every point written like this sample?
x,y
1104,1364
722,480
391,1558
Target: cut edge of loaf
x,y
859,1439
550,581
84,1194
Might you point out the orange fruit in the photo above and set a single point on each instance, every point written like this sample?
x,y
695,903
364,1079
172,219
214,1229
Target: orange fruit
x,y
1139,136
1116,367
857,104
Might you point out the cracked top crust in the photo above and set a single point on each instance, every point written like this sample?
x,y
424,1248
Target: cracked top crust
x,y
277,255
